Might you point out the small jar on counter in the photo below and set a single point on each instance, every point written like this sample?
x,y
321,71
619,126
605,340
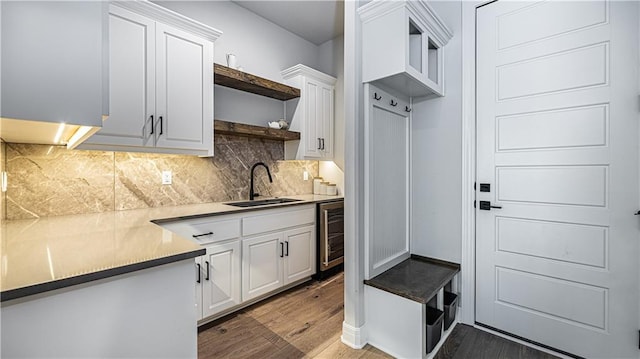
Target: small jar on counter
x,y
316,184
323,187
332,189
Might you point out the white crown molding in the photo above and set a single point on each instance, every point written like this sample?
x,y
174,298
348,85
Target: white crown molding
x,y
420,9
303,70
169,17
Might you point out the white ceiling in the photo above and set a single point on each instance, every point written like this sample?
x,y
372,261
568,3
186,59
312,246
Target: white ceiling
x,y
317,21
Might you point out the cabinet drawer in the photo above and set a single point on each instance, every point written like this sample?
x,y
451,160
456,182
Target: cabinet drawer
x,y
206,230
301,215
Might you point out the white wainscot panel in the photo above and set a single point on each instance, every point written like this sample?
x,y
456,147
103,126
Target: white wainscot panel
x,y
573,69
567,242
570,302
565,185
547,19
573,127
388,186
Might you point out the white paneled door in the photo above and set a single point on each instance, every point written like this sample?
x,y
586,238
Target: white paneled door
x,y
557,127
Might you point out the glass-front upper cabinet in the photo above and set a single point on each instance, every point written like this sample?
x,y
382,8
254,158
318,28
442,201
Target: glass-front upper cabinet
x,y
403,46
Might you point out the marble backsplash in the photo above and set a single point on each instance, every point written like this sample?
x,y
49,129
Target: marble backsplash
x,y
3,152
51,181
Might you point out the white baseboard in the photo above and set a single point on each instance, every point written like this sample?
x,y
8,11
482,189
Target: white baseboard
x,y
352,336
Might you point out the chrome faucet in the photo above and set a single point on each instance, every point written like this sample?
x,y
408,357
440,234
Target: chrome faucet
x,y
252,194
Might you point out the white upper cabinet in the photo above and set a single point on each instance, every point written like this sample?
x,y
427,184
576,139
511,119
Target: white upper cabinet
x,y
54,70
403,46
314,113
161,88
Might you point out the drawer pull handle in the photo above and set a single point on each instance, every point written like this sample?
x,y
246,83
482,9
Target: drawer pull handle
x,y
202,235
207,277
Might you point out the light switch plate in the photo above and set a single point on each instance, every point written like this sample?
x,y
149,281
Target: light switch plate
x,y
166,177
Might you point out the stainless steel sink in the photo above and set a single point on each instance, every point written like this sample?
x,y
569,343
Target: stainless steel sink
x,y
262,202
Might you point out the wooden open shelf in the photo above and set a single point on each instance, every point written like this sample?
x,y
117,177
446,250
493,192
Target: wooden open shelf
x,y
228,77
241,129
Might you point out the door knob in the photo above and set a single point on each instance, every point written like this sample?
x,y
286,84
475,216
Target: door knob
x,y
486,206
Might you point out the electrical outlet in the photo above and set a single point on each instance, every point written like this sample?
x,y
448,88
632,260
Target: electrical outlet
x,y
3,180
166,177
305,175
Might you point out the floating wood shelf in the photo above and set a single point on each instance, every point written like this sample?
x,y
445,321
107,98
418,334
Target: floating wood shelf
x,y
241,129
228,77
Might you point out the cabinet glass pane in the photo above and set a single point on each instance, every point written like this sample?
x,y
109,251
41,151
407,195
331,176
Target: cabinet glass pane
x,y
415,47
432,61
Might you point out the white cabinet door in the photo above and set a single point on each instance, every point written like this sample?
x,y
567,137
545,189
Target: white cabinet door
x,y
326,119
318,121
131,81
198,282
314,116
299,254
221,278
184,90
313,129
261,265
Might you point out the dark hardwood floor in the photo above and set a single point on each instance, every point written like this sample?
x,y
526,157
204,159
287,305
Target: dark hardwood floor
x,y
468,342
306,322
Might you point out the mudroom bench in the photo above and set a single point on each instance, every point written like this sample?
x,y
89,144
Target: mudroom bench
x,y
412,306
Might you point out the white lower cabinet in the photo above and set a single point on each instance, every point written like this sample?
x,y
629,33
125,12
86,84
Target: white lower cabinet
x,y
261,265
220,278
249,255
278,259
300,254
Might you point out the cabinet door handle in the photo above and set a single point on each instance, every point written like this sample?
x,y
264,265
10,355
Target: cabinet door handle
x,y
207,277
281,249
198,270
319,143
160,134
152,124
323,143
287,246
202,235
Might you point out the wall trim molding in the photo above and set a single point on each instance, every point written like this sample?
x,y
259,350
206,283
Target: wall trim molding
x,y
468,262
353,337
164,15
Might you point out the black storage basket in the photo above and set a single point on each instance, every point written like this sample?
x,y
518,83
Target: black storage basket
x,y
434,327
450,307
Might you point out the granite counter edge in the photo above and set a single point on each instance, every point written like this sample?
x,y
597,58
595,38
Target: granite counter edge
x,y
16,293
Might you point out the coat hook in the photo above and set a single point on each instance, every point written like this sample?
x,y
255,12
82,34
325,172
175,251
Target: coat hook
x,y
376,96
393,103
406,108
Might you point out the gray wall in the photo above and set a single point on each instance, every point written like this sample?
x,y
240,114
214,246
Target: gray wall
x,y
437,155
262,48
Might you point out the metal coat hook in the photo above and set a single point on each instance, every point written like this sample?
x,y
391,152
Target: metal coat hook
x,y
393,103
406,108
375,96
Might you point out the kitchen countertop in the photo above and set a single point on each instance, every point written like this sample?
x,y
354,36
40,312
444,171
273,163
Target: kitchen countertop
x,y
40,255
417,278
